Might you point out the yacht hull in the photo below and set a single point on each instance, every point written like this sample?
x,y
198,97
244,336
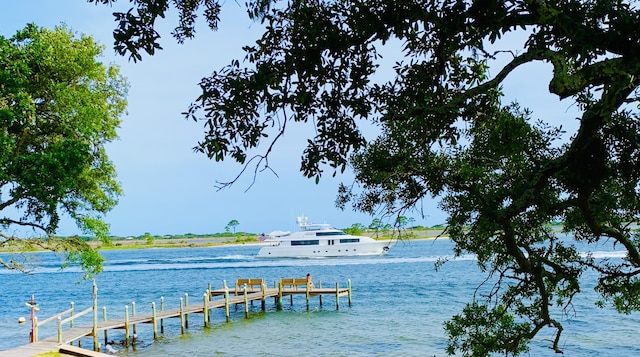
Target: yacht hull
x,y
277,250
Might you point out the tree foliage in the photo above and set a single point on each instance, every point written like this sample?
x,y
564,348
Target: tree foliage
x,y
446,132
356,229
59,106
233,224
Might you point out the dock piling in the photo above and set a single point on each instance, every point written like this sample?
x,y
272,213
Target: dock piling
x,y
34,330
59,323
154,320
205,308
71,309
34,320
246,305
186,316
209,291
306,295
226,300
126,325
94,330
104,318
275,298
279,304
133,314
182,324
161,309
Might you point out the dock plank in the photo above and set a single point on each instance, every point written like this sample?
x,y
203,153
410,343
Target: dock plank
x,y
80,352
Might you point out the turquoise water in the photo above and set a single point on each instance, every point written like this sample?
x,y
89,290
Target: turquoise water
x,y
399,304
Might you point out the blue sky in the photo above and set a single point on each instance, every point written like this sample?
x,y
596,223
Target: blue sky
x,y
169,189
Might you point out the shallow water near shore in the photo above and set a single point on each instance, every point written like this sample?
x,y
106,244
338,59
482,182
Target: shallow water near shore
x,y
399,304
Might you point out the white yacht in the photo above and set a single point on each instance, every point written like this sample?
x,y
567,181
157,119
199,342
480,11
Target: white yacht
x,y
319,240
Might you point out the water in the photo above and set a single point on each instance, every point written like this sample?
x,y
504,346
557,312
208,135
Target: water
x,y
399,304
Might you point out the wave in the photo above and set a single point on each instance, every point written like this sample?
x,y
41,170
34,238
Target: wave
x,y
233,261
178,260
605,254
243,261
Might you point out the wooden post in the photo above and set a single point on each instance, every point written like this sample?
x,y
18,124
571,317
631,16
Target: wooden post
x,y
133,314
71,308
279,303
186,316
320,287
205,308
96,344
35,329
126,325
181,316
153,320
275,286
104,318
208,299
263,304
349,291
162,309
246,306
34,320
59,323
337,298
306,294
226,299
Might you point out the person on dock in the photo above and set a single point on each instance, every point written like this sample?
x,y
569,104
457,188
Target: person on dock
x,y
310,281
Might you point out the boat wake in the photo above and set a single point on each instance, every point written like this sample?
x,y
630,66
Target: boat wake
x,y
233,261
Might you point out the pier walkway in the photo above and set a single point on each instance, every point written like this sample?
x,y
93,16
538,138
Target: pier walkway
x,y
246,291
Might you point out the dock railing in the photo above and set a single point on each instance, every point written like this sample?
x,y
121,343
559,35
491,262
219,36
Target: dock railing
x,y
37,324
70,321
246,291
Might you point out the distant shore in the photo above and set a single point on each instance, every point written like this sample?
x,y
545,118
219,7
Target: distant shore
x,y
252,239
224,241
202,242
240,239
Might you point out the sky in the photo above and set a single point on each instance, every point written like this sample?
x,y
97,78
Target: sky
x,y
170,189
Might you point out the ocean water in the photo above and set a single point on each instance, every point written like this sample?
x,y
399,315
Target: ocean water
x,y
398,308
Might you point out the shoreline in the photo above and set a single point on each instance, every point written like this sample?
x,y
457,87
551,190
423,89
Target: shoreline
x,y
212,242
217,242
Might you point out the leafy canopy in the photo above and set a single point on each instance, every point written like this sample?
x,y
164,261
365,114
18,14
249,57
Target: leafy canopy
x,y
59,106
445,132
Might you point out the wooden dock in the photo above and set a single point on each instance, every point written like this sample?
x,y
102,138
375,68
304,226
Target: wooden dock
x,y
246,291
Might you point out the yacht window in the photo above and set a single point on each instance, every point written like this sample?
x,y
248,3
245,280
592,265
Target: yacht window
x,y
332,233
305,242
350,240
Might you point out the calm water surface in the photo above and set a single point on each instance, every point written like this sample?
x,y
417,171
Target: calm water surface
x,y
399,304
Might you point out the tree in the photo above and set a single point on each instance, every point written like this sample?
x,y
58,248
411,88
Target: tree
x,y
59,106
376,225
148,238
233,224
403,221
446,132
356,229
